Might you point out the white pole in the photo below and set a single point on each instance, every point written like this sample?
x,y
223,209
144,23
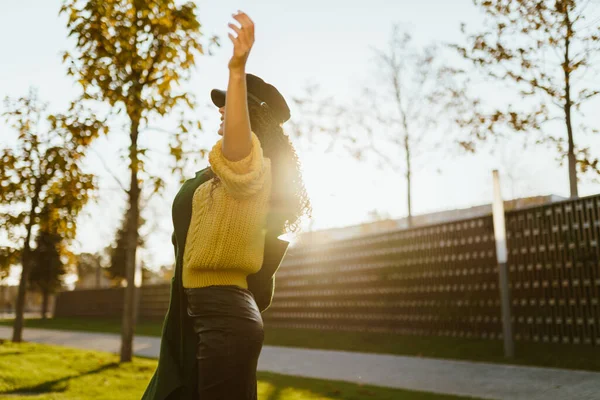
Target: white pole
x,y
137,279
502,257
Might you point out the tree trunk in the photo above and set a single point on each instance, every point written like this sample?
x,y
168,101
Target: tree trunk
x,y
98,268
46,295
567,108
571,156
20,306
128,323
408,180
399,97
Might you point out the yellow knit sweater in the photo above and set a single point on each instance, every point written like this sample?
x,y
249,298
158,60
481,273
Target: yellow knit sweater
x,y
226,237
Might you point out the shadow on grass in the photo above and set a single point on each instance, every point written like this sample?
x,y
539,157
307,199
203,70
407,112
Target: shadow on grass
x,y
10,353
57,385
330,389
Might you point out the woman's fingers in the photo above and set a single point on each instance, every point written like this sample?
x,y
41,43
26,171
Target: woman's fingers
x,y
241,35
245,34
246,23
240,40
245,20
233,39
243,42
235,28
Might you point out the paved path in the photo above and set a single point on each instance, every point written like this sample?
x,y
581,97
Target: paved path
x,y
486,381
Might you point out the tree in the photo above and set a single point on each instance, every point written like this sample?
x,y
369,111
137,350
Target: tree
x,y
404,107
132,54
48,264
546,50
152,277
391,119
88,264
51,258
378,215
9,256
166,272
117,269
43,169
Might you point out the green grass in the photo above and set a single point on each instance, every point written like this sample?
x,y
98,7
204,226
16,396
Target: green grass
x,y
536,354
42,372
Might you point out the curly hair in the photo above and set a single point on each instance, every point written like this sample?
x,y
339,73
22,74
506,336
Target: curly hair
x,y
289,200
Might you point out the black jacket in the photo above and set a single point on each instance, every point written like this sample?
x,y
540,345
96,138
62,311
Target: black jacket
x,y
176,374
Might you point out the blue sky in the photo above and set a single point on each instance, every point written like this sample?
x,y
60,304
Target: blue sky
x,y
324,42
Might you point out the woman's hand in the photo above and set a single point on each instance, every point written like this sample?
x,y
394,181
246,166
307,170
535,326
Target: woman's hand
x,y
242,44
237,138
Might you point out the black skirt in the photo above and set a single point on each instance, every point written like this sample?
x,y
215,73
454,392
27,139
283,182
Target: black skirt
x,y
230,333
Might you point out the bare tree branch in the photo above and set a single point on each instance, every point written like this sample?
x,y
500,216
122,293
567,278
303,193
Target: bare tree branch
x,y
112,174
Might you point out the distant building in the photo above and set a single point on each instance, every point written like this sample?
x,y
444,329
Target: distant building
x,y
346,232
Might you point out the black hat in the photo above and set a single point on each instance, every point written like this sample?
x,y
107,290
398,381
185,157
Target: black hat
x,y
260,91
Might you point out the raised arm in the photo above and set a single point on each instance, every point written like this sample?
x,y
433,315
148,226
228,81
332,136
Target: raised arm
x,y
237,158
237,140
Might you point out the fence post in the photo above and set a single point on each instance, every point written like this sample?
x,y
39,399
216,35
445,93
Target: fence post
x,y
502,257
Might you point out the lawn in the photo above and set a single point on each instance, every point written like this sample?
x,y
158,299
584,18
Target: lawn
x,y
42,372
536,354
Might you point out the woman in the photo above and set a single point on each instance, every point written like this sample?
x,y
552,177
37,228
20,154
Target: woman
x,y
226,222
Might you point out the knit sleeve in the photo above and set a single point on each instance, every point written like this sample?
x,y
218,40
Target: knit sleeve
x,y
244,177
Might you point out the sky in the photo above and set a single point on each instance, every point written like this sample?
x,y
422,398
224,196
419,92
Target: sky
x,y
324,42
